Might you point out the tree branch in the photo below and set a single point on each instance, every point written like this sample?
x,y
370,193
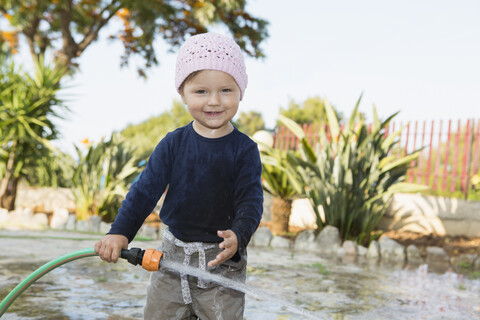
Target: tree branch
x,y
92,33
30,31
69,48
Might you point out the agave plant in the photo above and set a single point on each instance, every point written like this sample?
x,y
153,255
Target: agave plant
x,y
351,174
101,178
276,182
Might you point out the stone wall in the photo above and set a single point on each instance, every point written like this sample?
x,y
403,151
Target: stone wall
x,y
408,212
328,243
433,215
46,200
412,212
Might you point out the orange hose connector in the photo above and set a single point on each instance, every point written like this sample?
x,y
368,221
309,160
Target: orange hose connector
x,y
151,260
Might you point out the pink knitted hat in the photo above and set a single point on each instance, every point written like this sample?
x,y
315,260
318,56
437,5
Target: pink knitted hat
x,y
211,51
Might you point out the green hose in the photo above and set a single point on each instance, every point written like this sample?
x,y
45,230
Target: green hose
x,y
40,272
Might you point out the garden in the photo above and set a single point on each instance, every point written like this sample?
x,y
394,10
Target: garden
x,y
347,168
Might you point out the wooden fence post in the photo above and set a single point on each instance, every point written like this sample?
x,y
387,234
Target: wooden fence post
x,y
468,156
437,157
447,153
476,157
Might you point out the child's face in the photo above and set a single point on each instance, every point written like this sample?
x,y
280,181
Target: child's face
x,y
212,98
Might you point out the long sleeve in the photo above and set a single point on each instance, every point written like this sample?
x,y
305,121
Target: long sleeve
x,y
248,206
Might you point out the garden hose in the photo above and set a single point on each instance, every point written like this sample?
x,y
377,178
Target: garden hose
x,y
149,259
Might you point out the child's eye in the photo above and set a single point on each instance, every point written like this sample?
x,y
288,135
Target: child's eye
x,y
201,91
226,90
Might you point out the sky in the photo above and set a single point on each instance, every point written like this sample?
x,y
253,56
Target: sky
x,y
421,58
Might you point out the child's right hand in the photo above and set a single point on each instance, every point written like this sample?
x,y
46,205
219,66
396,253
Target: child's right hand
x,y
109,247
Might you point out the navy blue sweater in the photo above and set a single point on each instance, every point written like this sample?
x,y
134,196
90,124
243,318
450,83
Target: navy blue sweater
x,y
213,184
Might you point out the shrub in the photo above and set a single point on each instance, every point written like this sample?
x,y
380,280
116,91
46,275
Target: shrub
x,y
275,181
101,178
351,175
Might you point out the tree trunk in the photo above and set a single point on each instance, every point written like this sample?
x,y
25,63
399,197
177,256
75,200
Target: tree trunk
x,y
8,194
8,186
281,210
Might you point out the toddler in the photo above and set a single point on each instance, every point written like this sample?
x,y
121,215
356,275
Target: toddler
x,y
214,200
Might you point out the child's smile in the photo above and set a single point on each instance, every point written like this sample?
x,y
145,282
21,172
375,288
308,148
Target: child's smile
x,y
213,114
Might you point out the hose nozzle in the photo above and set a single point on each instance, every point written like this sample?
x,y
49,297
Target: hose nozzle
x,y
149,258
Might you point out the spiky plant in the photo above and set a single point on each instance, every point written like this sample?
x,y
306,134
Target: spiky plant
x,y
101,178
28,105
351,174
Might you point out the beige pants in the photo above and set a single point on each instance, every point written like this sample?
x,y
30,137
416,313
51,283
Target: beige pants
x,y
205,301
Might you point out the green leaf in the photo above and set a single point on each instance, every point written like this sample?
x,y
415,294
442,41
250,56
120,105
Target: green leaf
x,y
349,177
269,160
292,126
332,120
307,151
353,116
399,162
388,142
387,121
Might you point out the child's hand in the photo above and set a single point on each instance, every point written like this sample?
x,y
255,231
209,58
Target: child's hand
x,y
229,243
109,247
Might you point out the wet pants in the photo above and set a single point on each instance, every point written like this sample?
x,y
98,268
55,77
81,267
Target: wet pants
x,y
171,295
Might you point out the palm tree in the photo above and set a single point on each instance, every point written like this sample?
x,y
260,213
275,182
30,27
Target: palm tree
x,y
27,106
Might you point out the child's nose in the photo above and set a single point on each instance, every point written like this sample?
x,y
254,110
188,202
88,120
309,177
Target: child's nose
x,y
214,99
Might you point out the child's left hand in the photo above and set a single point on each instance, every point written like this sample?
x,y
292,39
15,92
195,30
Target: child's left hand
x,y
229,244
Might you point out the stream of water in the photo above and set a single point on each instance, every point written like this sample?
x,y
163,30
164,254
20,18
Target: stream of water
x,y
247,289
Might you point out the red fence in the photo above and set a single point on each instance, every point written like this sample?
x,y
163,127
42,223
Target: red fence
x,y
450,155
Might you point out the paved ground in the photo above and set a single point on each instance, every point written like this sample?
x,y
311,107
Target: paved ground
x,y
332,289
92,289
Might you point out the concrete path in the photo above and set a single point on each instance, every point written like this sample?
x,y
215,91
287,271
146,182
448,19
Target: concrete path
x,y
331,288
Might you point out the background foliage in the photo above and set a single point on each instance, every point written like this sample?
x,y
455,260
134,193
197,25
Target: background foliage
x,y
276,182
63,30
102,177
145,135
28,105
249,122
69,27
312,110
351,175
